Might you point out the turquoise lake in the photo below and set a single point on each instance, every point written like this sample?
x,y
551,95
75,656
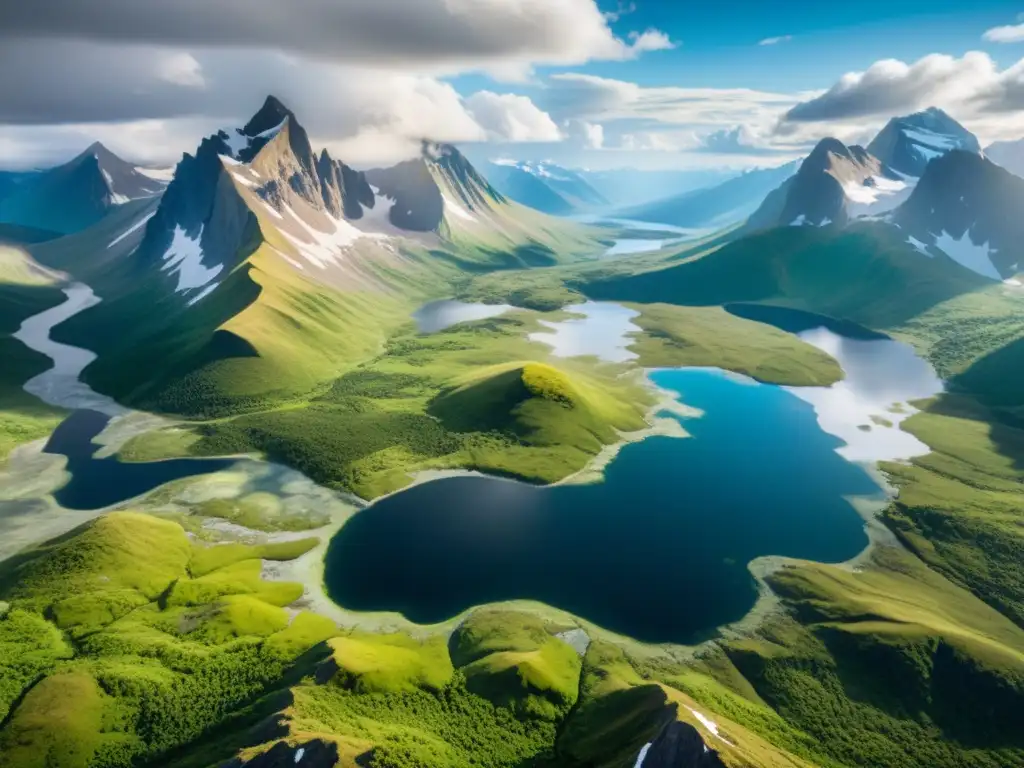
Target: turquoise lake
x,y
659,551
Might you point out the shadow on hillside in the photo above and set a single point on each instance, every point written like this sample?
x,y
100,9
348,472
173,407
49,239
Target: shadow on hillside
x,y
1008,437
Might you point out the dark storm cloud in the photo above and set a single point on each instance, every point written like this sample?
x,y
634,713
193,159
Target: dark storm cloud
x,y
386,32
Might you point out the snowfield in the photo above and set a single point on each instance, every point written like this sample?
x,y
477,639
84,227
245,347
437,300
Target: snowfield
x,y
184,258
966,253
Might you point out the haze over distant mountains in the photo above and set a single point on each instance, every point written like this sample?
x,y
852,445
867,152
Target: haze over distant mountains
x,y
74,195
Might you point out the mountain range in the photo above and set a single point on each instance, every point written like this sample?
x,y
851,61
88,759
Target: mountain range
x,y
726,203
544,186
256,235
260,305
75,195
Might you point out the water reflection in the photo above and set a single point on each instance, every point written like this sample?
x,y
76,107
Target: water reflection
x,y
438,315
865,409
604,331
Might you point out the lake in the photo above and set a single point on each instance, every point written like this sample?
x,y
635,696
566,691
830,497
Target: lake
x,y
598,328
438,315
660,550
97,483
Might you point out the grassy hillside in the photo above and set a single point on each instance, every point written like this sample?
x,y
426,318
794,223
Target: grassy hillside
x,y
892,665
25,290
393,414
961,507
709,336
853,274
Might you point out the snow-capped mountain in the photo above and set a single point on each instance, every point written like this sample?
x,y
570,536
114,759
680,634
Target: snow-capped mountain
x,y
544,186
717,206
970,209
907,144
437,191
263,187
834,185
1008,154
77,194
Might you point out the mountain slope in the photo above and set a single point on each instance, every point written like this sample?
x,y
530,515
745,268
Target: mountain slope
x,y
544,187
969,208
724,204
834,185
866,273
267,268
907,144
73,196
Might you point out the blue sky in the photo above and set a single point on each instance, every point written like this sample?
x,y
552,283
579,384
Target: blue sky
x,y
529,79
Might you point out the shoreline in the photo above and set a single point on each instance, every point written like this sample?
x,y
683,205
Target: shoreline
x,y
46,474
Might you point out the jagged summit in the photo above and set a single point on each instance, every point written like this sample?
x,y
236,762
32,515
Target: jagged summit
x,y
271,115
907,144
969,208
835,184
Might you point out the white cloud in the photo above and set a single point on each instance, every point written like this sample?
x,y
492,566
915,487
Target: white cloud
x,y
434,36
891,87
180,68
585,134
574,95
510,118
624,9
776,40
649,40
1012,33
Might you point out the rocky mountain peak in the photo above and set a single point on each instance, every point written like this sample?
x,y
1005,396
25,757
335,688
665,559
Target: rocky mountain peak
x,y
908,143
271,115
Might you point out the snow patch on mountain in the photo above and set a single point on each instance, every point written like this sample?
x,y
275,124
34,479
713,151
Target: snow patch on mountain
x,y
184,258
456,209
965,252
919,246
878,194
158,174
377,220
132,229
326,247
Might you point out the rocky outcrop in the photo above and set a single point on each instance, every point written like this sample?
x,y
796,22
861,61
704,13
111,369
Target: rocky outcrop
x,y
679,745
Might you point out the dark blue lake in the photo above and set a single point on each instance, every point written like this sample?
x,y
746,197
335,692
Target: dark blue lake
x,y
97,483
659,551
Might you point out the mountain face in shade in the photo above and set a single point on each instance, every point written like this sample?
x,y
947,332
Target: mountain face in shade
x,y
907,144
441,181
970,209
834,185
544,186
74,196
1007,154
679,745
720,205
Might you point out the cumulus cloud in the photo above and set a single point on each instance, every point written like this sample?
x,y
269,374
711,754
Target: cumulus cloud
x,y
180,68
585,134
427,33
776,40
890,87
510,118
1012,33
739,139
650,40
